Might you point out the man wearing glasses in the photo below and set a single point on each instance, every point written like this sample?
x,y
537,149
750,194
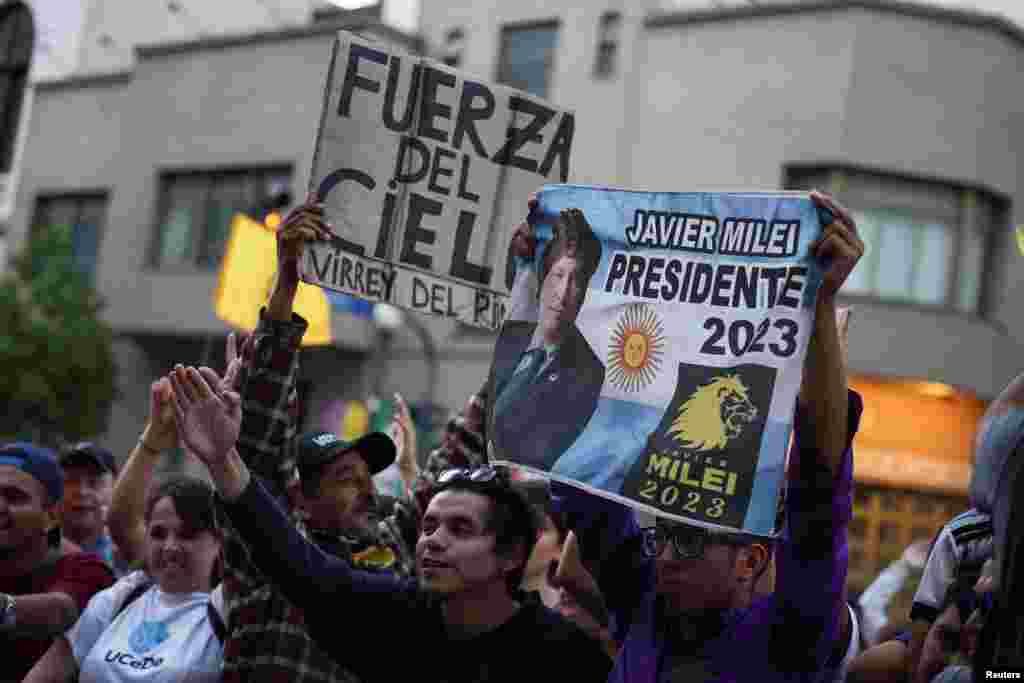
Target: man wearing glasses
x,y
683,597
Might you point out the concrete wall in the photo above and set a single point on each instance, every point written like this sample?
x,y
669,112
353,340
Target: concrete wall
x,y
725,104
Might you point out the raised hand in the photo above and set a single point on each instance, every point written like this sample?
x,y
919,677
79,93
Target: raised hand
x,y
304,223
161,433
234,353
524,241
208,422
839,248
405,431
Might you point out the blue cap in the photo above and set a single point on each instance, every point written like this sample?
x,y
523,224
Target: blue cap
x,y
38,461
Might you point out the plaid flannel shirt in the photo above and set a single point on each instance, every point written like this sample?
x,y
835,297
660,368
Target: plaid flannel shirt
x,y
267,637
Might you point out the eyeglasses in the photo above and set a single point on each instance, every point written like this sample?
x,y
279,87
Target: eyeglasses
x,y
479,475
689,542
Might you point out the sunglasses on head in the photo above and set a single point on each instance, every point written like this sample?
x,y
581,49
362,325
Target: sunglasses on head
x,y
689,542
479,475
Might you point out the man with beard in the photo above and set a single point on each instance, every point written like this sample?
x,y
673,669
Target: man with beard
x,y
683,596
463,621
44,585
338,496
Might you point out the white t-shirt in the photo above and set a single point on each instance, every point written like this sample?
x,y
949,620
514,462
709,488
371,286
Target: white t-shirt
x,y
158,638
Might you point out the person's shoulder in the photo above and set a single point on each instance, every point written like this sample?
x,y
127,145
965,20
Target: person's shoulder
x,y
549,625
969,526
568,643
68,546
513,338
970,516
584,354
82,565
514,330
106,602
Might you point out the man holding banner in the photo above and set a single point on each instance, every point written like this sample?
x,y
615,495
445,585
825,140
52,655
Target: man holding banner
x,y
546,376
682,595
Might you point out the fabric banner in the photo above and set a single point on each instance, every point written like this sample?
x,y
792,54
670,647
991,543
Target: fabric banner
x,y
655,349
422,169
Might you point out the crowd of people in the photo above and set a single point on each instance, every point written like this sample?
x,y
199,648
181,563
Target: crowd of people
x,y
286,563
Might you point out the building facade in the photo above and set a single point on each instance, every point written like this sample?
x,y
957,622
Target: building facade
x,y
907,113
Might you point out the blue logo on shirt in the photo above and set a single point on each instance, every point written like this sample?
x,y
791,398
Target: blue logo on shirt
x,y
148,635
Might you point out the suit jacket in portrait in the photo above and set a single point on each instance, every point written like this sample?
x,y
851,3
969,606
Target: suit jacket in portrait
x,y
545,417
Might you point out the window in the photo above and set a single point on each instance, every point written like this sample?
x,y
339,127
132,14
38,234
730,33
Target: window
x,y
926,242
607,44
527,57
16,38
454,42
83,217
196,209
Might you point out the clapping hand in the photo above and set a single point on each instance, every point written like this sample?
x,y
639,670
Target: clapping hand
x,y
161,433
208,418
404,430
234,353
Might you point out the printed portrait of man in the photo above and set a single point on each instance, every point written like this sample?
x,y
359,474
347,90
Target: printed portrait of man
x,y
546,380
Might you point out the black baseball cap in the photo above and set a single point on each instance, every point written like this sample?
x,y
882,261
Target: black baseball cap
x,y
87,452
320,448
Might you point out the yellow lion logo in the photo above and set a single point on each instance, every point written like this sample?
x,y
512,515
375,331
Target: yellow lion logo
x,y
714,414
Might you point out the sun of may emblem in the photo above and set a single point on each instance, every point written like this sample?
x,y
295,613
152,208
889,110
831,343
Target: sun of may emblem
x,y
636,348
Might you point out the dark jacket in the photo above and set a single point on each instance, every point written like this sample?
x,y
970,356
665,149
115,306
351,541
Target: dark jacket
x,y
544,422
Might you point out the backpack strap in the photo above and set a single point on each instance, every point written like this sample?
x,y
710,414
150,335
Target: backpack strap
x,y
134,595
213,613
216,622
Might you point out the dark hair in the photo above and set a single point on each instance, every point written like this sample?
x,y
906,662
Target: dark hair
x,y
539,498
194,501
309,480
511,519
573,238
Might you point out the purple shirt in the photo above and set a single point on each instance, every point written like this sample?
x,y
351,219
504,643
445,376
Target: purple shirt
x,y
786,636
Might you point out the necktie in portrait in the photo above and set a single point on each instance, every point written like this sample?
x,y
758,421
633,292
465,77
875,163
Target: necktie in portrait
x,y
526,373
